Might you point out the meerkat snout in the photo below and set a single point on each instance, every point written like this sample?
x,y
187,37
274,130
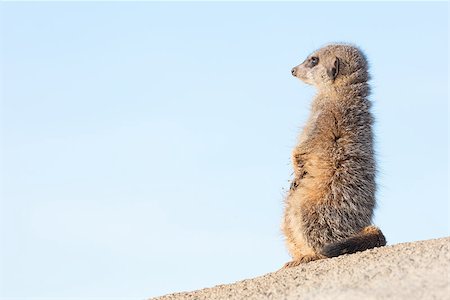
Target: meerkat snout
x,y
293,71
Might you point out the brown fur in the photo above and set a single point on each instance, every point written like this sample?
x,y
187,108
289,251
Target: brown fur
x,y
332,195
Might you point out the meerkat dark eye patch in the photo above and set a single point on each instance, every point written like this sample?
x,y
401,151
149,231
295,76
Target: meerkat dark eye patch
x,y
313,61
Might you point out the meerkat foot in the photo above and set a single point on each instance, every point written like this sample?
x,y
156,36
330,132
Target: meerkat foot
x,y
302,260
291,264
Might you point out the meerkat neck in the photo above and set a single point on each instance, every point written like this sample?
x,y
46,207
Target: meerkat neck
x,y
360,89
357,89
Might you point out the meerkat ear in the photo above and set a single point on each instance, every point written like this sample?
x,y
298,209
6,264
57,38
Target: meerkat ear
x,y
333,71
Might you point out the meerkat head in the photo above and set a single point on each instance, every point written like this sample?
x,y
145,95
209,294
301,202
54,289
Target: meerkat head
x,y
335,64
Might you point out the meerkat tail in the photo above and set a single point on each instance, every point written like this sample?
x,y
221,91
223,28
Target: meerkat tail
x,y
370,237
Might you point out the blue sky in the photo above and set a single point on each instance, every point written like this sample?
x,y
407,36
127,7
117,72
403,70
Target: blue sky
x,y
145,146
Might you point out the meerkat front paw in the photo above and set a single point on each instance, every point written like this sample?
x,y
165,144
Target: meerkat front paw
x,y
294,184
298,163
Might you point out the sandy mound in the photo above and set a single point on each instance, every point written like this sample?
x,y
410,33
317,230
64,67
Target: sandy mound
x,y
419,270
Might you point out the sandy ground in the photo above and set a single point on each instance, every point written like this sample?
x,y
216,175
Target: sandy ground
x,y
418,270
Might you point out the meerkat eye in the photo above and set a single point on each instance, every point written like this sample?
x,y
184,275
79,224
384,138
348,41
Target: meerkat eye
x,y
314,61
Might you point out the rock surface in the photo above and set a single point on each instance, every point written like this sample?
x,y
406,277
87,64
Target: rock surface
x,y
418,270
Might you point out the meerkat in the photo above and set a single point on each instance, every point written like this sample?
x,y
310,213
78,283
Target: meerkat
x,y
329,207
